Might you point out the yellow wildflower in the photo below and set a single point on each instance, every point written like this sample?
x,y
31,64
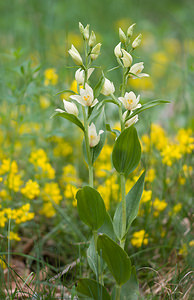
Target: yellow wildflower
x,y
150,175
31,189
158,205
51,192
70,191
47,210
139,238
51,76
183,250
146,196
13,236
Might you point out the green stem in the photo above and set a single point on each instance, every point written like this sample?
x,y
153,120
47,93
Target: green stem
x,y
122,177
118,292
90,166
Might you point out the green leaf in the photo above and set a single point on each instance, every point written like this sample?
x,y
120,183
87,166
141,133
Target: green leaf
x,y
92,289
116,258
130,290
132,205
100,104
72,118
98,87
66,91
95,262
91,207
107,227
127,151
147,106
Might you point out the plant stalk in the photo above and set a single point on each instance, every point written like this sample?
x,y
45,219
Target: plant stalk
x,y
118,292
122,177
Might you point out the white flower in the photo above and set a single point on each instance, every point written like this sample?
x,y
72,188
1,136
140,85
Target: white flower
x,y
86,97
70,108
131,121
137,41
117,51
130,101
95,51
137,69
92,39
108,88
122,36
94,139
80,75
75,56
127,59
130,30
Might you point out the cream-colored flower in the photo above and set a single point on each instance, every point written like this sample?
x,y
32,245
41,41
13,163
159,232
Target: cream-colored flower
x,y
94,139
127,58
131,121
80,75
95,51
117,51
86,97
108,88
130,30
137,41
70,108
130,101
75,56
122,36
137,69
92,39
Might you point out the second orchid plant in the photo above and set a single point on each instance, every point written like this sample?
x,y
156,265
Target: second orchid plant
x,y
107,246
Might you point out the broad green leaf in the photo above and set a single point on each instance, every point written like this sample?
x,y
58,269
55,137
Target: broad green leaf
x,y
127,151
92,289
71,118
107,227
147,106
91,207
98,87
116,258
132,205
66,91
95,262
130,290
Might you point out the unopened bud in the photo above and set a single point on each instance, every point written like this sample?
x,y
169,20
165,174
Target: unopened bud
x,y
127,59
81,28
122,36
92,39
130,30
95,51
137,41
86,32
117,51
75,56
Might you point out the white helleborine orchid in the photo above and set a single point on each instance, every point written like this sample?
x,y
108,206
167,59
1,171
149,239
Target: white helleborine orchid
x,y
70,108
108,88
137,41
137,69
95,51
127,59
130,101
75,56
94,139
131,121
86,97
117,51
80,75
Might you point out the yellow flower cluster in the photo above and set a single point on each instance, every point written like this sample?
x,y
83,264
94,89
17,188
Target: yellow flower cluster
x,y
51,193
159,206
139,238
146,196
31,189
40,160
51,77
170,150
13,179
103,164
13,236
62,148
20,215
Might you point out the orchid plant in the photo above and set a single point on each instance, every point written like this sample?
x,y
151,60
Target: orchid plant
x,y
107,246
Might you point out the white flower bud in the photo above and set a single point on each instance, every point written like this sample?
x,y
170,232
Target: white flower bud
x,y
131,121
86,32
117,51
127,59
75,56
137,41
79,76
71,108
81,28
122,36
130,30
92,39
108,88
95,51
94,139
